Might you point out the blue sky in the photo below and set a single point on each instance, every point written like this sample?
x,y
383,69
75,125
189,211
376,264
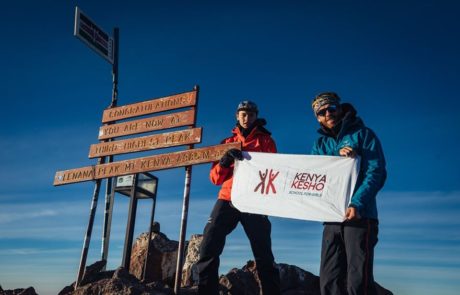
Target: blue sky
x,y
396,61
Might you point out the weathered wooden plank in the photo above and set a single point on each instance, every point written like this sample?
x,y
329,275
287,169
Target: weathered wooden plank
x,y
172,102
145,143
145,164
149,124
74,175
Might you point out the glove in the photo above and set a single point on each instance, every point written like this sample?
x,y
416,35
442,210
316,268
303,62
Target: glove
x,y
229,157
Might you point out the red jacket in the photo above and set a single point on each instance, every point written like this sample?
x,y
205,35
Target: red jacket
x,y
259,140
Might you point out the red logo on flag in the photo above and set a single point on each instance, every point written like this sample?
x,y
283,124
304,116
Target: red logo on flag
x,y
263,177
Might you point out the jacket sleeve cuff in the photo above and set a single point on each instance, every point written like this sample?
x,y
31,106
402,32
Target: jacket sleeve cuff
x,y
357,207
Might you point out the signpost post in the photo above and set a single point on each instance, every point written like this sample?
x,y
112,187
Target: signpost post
x,y
109,194
92,35
184,217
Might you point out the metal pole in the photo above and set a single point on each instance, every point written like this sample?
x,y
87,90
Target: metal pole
x,y
109,201
97,186
116,33
109,195
183,228
89,229
147,254
130,225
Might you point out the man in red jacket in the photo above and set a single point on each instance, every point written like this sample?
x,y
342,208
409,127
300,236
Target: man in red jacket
x,y
224,217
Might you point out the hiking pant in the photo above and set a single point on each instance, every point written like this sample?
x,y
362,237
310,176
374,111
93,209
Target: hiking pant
x,y
223,220
347,258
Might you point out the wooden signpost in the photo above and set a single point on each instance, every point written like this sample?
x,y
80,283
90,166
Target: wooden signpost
x,y
146,143
186,118
181,100
144,164
110,145
106,46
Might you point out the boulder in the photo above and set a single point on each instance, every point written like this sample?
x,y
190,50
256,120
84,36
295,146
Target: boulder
x,y
294,281
94,273
189,271
161,263
121,283
239,281
20,291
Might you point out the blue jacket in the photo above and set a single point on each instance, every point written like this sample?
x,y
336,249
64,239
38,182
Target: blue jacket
x,y
372,174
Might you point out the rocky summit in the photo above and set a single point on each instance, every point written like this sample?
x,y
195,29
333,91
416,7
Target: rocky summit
x,y
157,275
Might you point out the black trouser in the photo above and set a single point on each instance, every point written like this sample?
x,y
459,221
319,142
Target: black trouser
x,y
224,218
347,258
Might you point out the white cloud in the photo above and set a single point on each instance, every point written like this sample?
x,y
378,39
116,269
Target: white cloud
x,y
11,217
35,251
402,209
68,220
415,198
424,275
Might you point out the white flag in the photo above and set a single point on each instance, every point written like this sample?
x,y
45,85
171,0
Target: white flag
x,y
317,188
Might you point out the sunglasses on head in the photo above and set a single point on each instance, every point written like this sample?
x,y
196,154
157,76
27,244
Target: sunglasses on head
x,y
331,109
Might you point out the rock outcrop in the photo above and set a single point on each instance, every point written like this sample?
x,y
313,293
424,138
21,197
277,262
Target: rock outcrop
x,y
121,282
294,281
26,291
161,271
189,271
161,263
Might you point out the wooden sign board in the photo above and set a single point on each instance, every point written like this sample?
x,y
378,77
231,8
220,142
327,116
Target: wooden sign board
x,y
145,164
167,103
148,124
145,143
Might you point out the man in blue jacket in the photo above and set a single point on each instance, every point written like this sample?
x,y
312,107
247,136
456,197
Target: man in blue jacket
x,y
347,252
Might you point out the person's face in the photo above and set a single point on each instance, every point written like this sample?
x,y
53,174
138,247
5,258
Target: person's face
x,y
329,115
246,118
